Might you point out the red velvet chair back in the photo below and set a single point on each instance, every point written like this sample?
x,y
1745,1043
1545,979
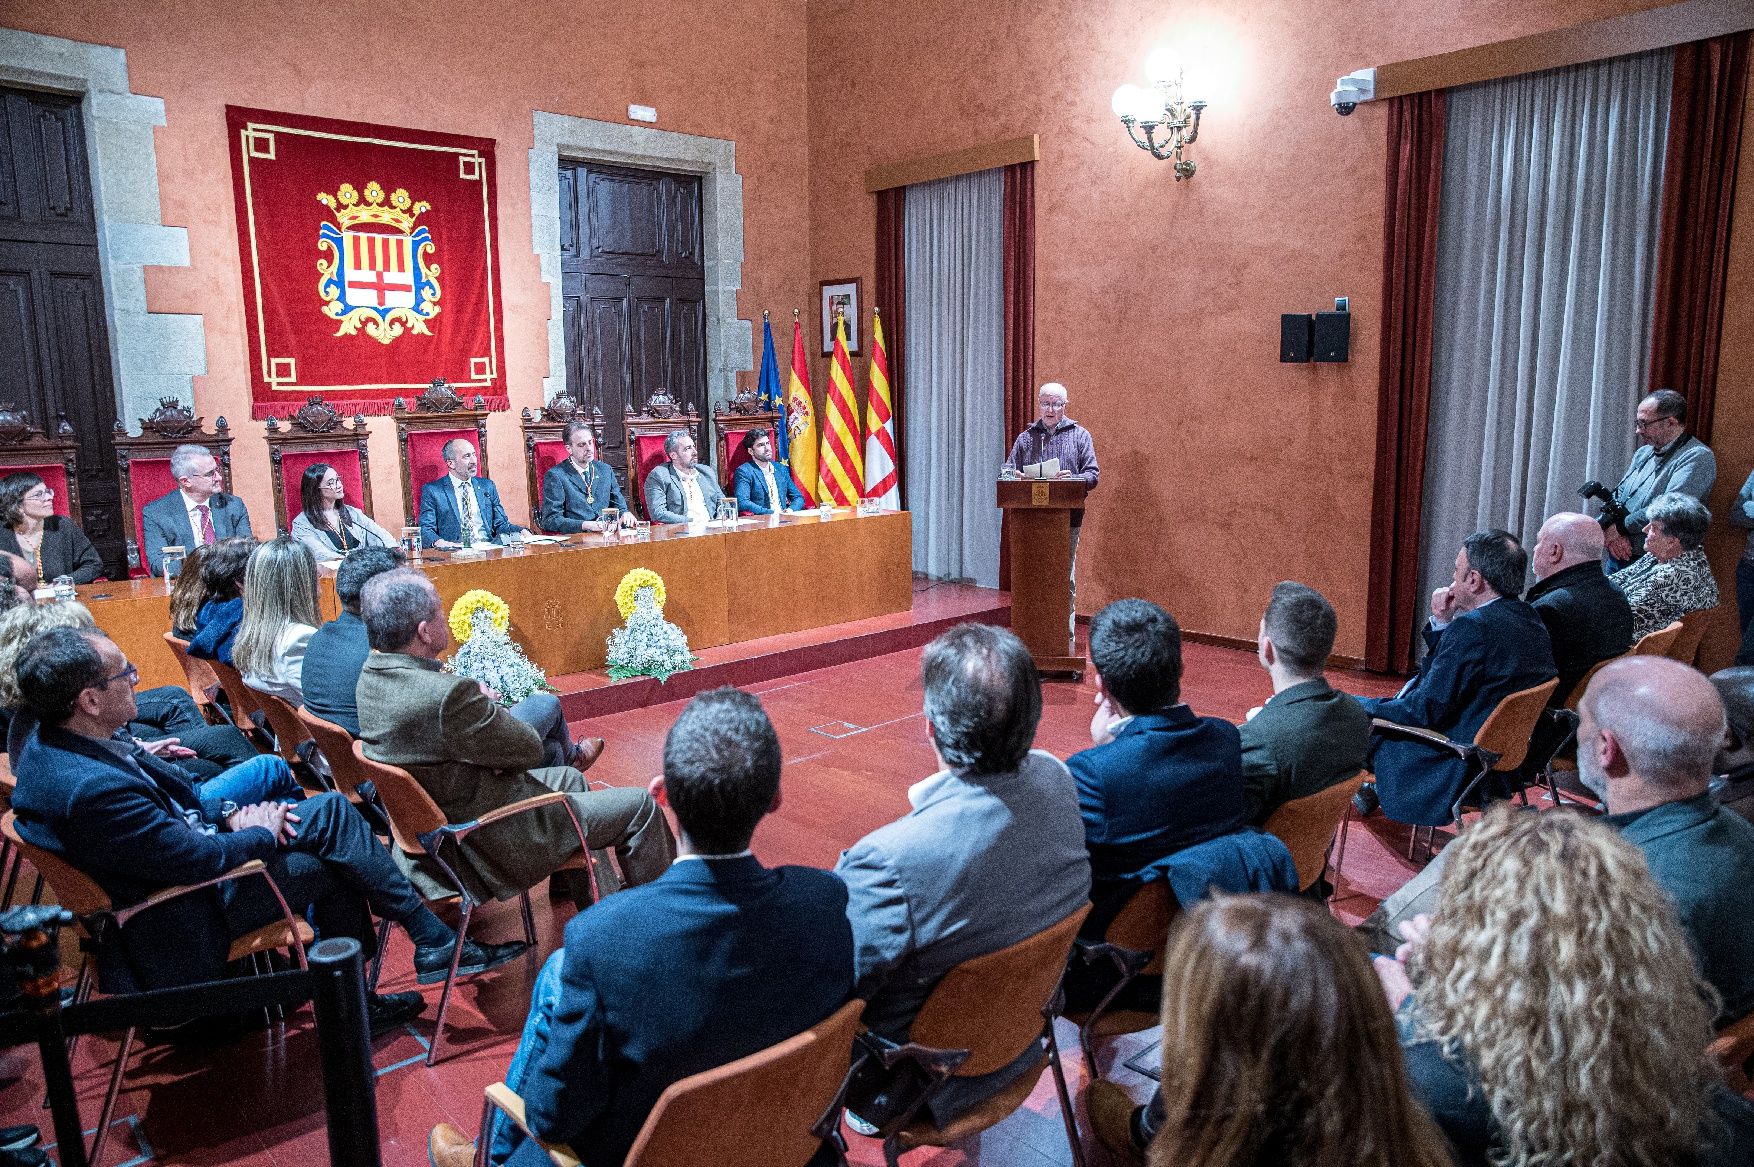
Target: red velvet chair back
x,y
148,479
54,476
145,460
426,460
544,456
645,454
734,454
294,463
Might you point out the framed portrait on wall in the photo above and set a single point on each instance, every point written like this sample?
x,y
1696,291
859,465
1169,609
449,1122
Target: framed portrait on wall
x,y
847,296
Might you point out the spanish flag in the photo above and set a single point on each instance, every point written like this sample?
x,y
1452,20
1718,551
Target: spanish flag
x,y
880,475
801,417
842,468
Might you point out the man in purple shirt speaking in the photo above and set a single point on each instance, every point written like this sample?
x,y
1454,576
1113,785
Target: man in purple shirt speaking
x,y
1054,435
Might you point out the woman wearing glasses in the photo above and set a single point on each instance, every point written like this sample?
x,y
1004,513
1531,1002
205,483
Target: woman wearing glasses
x,y
29,527
327,524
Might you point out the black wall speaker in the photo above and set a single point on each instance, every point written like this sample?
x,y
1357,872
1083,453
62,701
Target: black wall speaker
x,y
1296,336
1333,336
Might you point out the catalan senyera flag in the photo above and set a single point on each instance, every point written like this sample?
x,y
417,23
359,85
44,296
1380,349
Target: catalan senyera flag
x,y
801,417
881,482
842,468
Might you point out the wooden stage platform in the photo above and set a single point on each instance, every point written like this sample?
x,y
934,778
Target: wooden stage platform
x,y
825,580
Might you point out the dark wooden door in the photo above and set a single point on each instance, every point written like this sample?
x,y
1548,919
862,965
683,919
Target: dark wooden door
x,y
634,287
54,344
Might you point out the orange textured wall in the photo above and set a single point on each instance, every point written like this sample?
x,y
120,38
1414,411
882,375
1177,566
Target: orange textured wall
x,y
461,67
1158,302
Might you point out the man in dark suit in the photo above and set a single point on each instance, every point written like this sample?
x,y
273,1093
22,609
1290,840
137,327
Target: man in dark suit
x,y
681,490
1159,778
717,958
576,490
1307,736
136,826
459,509
198,511
1586,616
763,486
1484,644
338,649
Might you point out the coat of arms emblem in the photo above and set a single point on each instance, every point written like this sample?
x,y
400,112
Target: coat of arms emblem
x,y
381,276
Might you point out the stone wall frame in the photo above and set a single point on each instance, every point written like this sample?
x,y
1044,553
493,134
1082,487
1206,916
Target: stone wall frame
x,y
730,341
152,354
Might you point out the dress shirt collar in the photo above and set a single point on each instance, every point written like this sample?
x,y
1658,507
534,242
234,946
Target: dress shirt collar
x,y
458,484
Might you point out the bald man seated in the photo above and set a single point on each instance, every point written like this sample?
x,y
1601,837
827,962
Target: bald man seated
x,y
1650,734
1587,617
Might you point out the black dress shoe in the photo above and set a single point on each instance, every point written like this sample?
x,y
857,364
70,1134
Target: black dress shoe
x,y
24,1157
1365,801
431,964
17,1138
386,1011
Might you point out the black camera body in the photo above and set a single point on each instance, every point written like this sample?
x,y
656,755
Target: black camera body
x,y
1614,512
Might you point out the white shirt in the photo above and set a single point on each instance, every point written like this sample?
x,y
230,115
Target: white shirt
x,y
195,516
693,502
773,488
473,532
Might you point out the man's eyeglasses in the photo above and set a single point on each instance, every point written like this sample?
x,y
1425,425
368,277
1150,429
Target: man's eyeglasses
x,y
132,672
1653,423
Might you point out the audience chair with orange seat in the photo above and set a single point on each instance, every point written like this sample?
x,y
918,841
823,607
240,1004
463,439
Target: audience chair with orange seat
x,y
1657,643
419,828
1311,826
1686,644
1497,750
980,1018
99,922
1733,1051
292,741
1132,946
201,680
772,1108
246,705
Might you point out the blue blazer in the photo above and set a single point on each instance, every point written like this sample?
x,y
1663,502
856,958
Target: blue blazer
x,y
710,962
751,488
1167,781
564,507
165,523
440,518
122,823
1481,658
334,658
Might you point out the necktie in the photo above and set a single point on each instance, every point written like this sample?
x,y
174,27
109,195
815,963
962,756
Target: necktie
x,y
207,535
469,524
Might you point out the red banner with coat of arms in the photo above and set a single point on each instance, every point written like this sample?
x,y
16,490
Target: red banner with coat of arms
x,y
370,262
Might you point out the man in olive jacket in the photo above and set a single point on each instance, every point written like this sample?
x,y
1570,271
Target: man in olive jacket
x,y
472,756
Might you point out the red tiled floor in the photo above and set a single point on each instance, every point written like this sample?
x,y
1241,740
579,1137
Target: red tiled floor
x,y
854,739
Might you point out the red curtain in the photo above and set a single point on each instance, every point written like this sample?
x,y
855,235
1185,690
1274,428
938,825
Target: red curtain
x,y
1019,245
892,302
1699,193
1414,189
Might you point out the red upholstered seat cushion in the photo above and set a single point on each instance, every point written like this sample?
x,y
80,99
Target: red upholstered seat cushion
x,y
54,476
648,455
294,463
148,479
426,461
547,454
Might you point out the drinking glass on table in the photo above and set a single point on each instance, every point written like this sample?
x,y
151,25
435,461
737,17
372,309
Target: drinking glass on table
x,y
610,517
411,544
171,559
642,531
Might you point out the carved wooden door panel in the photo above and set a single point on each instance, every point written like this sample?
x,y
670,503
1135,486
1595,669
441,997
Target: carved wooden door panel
x,y
54,342
634,289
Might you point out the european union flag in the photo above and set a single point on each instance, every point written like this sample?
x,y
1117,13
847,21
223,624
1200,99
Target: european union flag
x,y
768,391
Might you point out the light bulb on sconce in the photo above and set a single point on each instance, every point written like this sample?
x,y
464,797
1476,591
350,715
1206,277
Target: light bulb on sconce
x,y
1161,120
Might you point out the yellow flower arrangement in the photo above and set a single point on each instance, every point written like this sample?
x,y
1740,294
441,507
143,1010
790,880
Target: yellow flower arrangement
x,y
472,601
627,591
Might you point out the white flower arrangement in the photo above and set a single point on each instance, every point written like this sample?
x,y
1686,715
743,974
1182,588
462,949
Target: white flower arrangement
x,y
488,654
647,645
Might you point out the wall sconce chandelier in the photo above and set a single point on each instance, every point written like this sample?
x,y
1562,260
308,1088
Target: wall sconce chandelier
x,y
1161,119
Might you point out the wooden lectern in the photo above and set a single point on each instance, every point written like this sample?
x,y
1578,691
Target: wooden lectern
x,y
1040,514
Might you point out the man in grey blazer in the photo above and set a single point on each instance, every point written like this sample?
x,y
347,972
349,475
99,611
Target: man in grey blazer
x,y
1668,458
991,853
1308,735
681,491
197,511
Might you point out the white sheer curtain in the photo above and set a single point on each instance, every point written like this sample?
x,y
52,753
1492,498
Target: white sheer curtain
x,y
955,338
1546,269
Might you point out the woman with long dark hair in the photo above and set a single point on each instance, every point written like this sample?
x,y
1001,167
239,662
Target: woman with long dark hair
x,y
327,524
30,528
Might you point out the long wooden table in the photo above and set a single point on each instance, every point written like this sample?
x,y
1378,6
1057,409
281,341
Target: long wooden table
x,y
723,586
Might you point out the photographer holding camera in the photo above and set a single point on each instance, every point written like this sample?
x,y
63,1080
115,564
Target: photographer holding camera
x,y
1668,459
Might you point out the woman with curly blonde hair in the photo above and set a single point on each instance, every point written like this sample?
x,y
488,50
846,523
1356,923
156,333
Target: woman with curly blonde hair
x,y
1278,1048
1555,1013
